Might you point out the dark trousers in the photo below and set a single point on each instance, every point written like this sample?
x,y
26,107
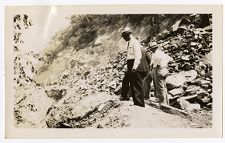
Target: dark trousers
x,y
147,84
133,81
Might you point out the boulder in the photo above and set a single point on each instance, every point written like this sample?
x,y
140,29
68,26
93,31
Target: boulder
x,y
209,91
192,89
181,24
178,79
186,67
203,98
193,44
165,34
176,92
175,80
189,97
185,105
208,28
56,94
194,106
205,84
209,105
206,100
207,59
185,58
171,86
202,93
112,84
208,74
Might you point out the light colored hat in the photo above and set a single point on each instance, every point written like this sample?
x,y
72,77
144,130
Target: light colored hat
x,y
153,45
160,41
125,31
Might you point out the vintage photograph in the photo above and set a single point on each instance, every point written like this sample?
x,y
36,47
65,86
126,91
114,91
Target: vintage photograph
x,y
73,70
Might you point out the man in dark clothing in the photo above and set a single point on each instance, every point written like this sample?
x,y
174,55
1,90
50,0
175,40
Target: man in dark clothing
x,y
147,80
143,68
137,69
149,77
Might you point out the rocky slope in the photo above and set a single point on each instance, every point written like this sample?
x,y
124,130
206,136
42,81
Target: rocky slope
x,y
75,82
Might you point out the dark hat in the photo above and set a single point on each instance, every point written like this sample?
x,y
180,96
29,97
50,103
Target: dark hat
x,y
126,31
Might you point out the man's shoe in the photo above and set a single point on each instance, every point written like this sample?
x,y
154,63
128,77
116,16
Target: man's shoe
x,y
124,99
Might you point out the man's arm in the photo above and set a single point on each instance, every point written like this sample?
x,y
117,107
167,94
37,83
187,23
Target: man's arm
x,y
137,54
148,57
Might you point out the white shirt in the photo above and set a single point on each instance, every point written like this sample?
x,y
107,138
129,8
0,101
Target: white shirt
x,y
160,58
134,51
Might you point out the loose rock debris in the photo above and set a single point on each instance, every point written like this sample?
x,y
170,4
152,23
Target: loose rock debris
x,y
81,97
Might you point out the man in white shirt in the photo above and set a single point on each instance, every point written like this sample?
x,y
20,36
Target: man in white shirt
x,y
158,73
133,77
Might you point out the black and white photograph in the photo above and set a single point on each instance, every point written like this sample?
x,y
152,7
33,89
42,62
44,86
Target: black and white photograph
x,y
110,70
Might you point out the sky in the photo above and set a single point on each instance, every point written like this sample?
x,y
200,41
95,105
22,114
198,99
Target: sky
x,y
46,21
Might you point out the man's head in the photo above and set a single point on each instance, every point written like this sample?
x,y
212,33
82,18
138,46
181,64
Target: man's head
x,y
153,46
126,33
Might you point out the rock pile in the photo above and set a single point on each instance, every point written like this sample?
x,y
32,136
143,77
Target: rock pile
x,y
76,89
102,79
190,85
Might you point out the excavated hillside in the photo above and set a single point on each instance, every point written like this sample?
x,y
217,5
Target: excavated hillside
x,y
76,81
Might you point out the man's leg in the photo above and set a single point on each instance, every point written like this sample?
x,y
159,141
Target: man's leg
x,y
147,85
137,90
160,87
127,81
125,87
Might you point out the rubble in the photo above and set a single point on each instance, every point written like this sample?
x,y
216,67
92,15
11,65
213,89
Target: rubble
x,y
90,90
59,117
191,71
190,50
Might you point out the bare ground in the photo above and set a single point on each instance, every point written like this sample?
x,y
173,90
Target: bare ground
x,y
99,111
